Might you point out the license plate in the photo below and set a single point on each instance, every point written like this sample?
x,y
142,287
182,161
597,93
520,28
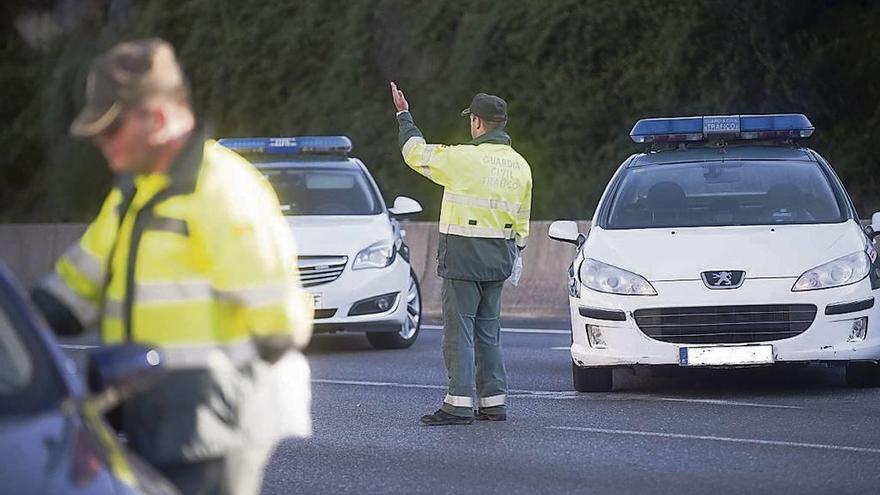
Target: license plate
x,y
725,356
318,300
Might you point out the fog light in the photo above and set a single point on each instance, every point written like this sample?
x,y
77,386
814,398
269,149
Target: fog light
x,y
594,335
374,305
859,330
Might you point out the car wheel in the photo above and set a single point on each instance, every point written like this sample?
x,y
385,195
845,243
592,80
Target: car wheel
x,y
409,330
591,379
863,375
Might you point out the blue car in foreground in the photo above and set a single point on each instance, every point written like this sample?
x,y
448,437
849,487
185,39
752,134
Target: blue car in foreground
x,y
53,438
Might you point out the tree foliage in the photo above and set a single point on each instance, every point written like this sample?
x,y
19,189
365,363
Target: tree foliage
x,y
576,74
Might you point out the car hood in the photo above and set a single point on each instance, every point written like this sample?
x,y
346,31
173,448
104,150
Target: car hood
x,y
36,456
337,235
781,251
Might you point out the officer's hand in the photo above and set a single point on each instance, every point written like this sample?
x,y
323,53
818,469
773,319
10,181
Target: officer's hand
x,y
400,102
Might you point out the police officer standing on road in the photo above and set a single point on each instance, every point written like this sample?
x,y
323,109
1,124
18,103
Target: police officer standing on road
x,y
484,222
190,254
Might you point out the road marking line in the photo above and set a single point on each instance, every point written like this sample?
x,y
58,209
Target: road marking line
x,y
559,394
546,331
78,347
561,348
778,443
379,384
546,394
721,402
713,402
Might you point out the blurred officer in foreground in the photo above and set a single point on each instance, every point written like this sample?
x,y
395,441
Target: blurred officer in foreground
x,y
484,222
190,254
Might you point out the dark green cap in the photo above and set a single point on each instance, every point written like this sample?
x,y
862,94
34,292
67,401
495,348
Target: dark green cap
x,y
487,107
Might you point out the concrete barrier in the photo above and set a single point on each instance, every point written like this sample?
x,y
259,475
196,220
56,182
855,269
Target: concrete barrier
x,y
542,292
30,251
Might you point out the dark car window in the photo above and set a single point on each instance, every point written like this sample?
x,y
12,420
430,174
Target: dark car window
x,y
29,380
324,191
16,368
724,194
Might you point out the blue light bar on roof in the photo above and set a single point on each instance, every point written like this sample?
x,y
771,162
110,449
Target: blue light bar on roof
x,y
336,145
730,127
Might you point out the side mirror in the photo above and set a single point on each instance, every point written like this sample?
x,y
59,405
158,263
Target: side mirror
x,y
566,231
119,371
873,230
405,206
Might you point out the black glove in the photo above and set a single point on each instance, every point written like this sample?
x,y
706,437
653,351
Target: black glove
x,y
272,348
61,320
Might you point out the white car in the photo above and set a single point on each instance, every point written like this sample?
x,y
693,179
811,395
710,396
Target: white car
x,y
724,244
352,255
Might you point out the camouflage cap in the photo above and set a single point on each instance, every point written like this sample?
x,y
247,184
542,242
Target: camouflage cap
x,y
125,76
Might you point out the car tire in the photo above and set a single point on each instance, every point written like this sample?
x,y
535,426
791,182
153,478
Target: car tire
x,y
410,328
862,375
591,379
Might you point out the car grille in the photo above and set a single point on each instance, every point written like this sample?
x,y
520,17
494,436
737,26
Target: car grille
x,y
318,270
725,324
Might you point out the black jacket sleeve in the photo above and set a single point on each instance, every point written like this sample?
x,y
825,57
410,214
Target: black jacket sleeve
x,y
407,128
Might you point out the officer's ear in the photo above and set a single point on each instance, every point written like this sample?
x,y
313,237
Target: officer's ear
x,y
476,123
168,119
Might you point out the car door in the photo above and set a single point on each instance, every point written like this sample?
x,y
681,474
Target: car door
x,y
52,440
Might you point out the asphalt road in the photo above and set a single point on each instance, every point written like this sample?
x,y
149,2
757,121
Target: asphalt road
x,y
759,430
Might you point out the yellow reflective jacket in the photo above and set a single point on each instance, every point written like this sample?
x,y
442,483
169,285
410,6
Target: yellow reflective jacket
x,y
486,205
201,264
195,261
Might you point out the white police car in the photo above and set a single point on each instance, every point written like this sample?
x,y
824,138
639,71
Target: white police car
x,y
352,257
724,244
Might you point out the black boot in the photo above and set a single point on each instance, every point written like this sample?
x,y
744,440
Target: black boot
x,y
443,418
490,416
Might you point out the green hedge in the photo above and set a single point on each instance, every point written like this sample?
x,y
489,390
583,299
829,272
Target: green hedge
x,y
576,75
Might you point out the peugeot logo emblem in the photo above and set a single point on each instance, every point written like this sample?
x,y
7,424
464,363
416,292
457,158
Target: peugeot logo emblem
x,y
724,279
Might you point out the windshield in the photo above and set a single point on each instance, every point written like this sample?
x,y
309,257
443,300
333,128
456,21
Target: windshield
x,y
323,191
722,194
28,379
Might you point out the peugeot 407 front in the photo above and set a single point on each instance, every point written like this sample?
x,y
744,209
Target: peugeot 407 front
x,y
723,244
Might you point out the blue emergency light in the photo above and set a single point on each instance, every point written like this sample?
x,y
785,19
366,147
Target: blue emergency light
x,y
726,127
333,145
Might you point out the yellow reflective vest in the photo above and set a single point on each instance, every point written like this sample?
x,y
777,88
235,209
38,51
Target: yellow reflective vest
x,y
197,261
486,200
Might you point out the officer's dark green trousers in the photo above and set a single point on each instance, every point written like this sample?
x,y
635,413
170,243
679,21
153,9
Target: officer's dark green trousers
x,y
472,346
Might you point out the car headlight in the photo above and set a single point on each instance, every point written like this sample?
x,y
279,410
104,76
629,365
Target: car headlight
x,y
378,255
602,277
847,270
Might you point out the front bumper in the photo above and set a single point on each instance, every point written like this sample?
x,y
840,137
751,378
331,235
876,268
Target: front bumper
x,y
825,340
335,300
